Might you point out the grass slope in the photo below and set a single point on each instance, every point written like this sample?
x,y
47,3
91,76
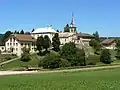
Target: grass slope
x,y
94,80
20,64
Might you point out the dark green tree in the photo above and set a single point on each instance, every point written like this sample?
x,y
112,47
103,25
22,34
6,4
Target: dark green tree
x,y
105,56
68,51
50,62
118,49
95,45
17,32
27,33
56,42
57,30
39,44
6,35
96,34
33,30
66,28
25,57
78,58
46,42
22,32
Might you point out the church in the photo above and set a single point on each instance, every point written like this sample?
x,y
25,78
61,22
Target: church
x,y
70,34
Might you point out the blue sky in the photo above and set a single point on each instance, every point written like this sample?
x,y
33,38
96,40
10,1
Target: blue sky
x,y
90,15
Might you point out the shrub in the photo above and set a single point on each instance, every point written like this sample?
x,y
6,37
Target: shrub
x,y
64,63
50,62
105,56
25,58
8,58
93,59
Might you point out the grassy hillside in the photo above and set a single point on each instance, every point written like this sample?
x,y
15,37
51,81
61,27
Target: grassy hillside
x,y
18,64
92,80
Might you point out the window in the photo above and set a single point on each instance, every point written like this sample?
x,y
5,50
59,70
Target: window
x,y
16,44
21,44
10,39
10,44
2,48
16,49
65,39
25,44
14,39
13,44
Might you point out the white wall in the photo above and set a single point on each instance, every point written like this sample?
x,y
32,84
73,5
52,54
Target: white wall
x,y
50,35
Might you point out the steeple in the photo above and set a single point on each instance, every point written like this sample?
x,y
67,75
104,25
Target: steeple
x,y
72,21
72,25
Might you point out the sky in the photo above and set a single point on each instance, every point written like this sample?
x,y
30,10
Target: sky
x,y
90,15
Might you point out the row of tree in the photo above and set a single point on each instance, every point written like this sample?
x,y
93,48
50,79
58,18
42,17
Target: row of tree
x,y
45,43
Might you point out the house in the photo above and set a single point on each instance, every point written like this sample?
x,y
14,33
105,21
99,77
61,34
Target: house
x,y
109,43
16,42
44,31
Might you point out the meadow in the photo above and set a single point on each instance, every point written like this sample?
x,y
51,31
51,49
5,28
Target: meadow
x,y
90,80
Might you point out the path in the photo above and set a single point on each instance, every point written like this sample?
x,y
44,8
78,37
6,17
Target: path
x,y
55,71
2,63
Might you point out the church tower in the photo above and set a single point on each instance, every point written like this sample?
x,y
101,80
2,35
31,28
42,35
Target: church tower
x,y
73,27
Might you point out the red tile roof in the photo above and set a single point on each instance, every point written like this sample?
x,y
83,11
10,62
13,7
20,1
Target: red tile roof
x,y
24,37
108,41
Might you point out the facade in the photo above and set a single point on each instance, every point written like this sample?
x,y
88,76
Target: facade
x,y
16,42
109,43
44,31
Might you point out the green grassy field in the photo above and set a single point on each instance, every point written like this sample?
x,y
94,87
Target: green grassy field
x,y
92,80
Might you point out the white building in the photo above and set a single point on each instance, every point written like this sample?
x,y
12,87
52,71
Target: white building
x,y
44,31
16,42
71,35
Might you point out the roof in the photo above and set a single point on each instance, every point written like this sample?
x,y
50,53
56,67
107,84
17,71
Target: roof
x,y
24,37
68,34
85,35
108,41
48,29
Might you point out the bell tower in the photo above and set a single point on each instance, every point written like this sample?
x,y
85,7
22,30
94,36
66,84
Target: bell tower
x,y
72,25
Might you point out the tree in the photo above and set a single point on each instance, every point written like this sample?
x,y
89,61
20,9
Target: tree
x,y
56,42
22,32
17,32
33,30
105,56
39,43
68,50
118,49
51,61
95,45
46,42
96,34
28,33
78,58
6,35
57,30
66,28
25,57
